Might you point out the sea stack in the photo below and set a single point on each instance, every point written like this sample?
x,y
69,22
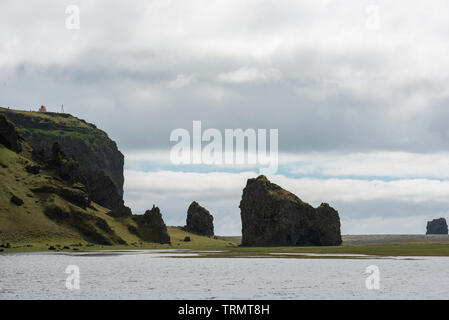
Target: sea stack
x,y
199,220
151,226
272,216
437,226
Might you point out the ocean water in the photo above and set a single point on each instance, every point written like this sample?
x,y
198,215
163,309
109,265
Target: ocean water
x,y
176,275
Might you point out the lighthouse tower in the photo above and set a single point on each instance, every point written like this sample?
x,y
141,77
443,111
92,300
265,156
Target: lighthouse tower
x,y
42,109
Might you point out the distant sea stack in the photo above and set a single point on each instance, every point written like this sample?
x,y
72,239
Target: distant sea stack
x,y
199,220
272,216
437,226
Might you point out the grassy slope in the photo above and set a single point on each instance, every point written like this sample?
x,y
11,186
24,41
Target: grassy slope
x,y
27,224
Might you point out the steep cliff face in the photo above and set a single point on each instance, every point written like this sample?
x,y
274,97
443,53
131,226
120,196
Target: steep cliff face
x,y
272,216
88,145
43,198
8,135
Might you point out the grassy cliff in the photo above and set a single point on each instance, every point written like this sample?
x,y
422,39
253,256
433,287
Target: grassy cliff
x,y
29,219
90,146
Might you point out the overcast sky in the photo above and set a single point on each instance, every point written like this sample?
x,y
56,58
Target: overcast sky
x,y
357,89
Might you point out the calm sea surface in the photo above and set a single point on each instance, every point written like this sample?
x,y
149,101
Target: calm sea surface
x,y
162,275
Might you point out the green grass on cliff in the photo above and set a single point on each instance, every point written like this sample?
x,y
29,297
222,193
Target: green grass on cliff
x,y
90,146
26,224
61,119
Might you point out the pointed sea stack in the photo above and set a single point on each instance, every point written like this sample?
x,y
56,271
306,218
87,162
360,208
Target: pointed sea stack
x,y
272,216
199,220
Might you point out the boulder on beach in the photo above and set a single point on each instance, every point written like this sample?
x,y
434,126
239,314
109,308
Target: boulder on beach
x,y
272,216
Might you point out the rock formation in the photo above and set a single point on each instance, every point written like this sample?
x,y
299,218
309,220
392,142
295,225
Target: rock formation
x,y
82,141
437,226
103,191
55,204
151,226
8,135
199,220
79,151
272,216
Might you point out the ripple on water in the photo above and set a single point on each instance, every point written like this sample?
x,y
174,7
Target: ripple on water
x,y
150,275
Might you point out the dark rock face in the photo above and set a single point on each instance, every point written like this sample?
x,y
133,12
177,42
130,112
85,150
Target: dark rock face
x,y
100,188
73,195
82,141
8,135
77,150
272,216
16,200
199,220
103,191
437,226
151,226
33,169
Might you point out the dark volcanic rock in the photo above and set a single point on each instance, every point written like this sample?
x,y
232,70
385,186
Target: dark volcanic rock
x,y
437,226
199,220
272,216
82,141
103,191
33,169
123,211
16,200
151,226
73,195
8,135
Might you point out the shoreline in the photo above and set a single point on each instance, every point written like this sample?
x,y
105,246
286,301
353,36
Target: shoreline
x,y
228,247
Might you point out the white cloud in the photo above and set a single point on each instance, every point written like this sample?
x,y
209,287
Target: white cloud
x,y
182,80
221,193
249,75
381,164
